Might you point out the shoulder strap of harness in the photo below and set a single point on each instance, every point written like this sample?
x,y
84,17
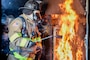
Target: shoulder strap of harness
x,y
24,34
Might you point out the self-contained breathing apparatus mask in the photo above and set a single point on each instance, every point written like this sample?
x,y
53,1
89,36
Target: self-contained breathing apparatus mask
x,y
36,15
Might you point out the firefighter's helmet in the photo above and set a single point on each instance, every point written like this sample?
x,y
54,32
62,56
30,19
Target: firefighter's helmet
x,y
31,5
38,1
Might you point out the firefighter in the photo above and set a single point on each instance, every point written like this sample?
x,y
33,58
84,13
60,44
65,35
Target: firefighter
x,y
24,36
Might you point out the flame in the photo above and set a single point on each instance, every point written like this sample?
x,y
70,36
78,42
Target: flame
x,y
64,51
54,16
79,55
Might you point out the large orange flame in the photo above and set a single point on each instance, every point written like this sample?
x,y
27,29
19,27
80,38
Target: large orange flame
x,y
67,23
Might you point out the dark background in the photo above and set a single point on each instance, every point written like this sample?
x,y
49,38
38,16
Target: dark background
x,y
10,7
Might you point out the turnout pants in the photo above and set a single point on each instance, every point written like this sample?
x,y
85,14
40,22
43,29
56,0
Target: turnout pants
x,y
11,57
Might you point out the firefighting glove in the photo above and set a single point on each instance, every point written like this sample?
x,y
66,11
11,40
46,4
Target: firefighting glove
x,y
37,39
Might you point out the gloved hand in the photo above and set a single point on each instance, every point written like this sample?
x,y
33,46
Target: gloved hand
x,y
34,51
39,45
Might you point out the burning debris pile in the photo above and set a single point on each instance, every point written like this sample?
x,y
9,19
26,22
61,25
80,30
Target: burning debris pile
x,y
71,46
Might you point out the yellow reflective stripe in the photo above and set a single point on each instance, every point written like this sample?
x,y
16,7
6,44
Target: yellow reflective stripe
x,y
14,36
38,39
23,42
34,40
18,56
28,39
30,58
11,49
